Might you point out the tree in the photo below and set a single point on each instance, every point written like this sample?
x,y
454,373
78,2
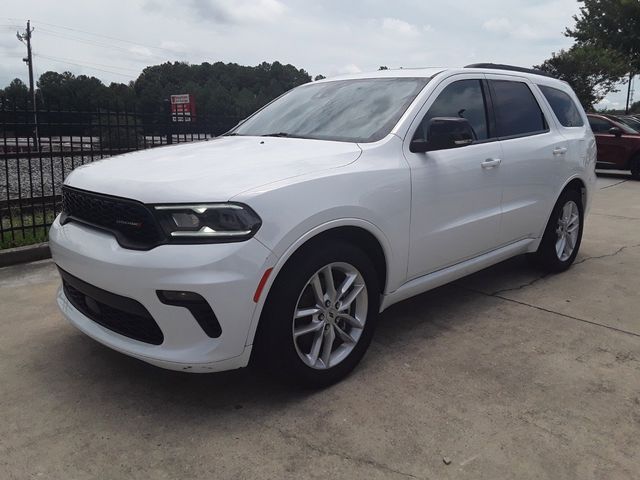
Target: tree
x,y
225,92
383,67
319,77
612,25
16,94
591,71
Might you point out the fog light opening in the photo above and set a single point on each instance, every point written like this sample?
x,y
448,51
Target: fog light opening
x,y
197,305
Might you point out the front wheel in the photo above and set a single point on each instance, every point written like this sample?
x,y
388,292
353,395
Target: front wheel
x,y
320,315
563,235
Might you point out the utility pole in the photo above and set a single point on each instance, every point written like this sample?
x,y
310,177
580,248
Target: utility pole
x,y
26,39
626,111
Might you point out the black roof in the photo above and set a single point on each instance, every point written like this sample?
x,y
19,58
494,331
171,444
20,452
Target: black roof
x,y
513,68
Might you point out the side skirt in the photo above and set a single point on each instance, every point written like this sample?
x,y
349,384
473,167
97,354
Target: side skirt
x,y
449,274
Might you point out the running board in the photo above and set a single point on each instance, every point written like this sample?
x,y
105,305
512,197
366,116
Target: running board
x,y
449,274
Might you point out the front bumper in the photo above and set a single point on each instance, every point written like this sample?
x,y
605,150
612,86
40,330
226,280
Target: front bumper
x,y
226,275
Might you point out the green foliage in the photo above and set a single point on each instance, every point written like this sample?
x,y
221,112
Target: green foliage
x,y
591,71
33,231
226,91
635,107
117,132
612,25
17,93
319,77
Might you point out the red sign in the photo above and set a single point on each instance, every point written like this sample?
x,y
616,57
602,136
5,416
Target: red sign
x,y
183,107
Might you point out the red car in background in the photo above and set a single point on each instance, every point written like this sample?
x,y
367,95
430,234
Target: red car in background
x,y
618,144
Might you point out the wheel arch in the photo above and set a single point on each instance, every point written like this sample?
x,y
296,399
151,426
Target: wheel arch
x,y
579,186
359,232
574,183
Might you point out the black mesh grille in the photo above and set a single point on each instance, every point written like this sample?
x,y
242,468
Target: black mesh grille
x,y
117,313
131,222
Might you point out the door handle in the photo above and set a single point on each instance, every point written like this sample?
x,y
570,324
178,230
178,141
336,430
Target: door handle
x,y
491,163
559,151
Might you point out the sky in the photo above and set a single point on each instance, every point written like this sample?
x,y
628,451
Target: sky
x,y
114,40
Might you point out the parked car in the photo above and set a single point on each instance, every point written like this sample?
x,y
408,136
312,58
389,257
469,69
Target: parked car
x,y
618,144
630,121
282,240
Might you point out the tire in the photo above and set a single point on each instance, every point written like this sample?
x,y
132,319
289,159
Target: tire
x,y
551,255
635,167
301,361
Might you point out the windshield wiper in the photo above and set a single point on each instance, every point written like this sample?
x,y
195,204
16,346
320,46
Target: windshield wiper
x,y
278,134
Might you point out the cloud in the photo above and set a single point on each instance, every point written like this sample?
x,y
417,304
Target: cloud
x,y
236,11
321,36
402,28
498,25
346,69
542,21
141,51
605,103
176,47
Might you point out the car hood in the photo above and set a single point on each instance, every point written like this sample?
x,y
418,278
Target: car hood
x,y
214,170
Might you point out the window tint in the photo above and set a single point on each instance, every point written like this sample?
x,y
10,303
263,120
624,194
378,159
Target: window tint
x,y
599,125
517,111
461,99
563,106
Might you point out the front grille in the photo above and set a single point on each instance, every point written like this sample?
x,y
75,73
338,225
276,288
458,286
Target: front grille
x,y
132,223
117,313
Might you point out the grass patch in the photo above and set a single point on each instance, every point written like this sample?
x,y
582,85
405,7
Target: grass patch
x,y
24,232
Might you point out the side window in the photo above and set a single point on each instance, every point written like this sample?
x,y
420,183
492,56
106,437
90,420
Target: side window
x,y
599,125
517,111
461,99
563,106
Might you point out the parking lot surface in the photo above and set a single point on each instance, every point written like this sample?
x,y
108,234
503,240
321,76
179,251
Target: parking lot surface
x,y
505,374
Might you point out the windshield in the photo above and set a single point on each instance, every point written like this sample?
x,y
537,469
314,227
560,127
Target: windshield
x,y
631,123
346,110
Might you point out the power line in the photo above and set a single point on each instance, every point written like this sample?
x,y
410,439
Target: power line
x,y
54,59
107,37
90,42
86,62
94,42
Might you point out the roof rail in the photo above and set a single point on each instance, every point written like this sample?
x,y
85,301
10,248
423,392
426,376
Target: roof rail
x,y
512,68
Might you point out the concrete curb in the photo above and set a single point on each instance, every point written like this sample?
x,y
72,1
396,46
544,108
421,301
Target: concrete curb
x,y
30,253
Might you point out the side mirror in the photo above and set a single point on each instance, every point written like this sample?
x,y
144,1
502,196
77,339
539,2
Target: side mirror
x,y
615,131
444,133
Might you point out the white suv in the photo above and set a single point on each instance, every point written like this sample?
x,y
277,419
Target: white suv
x,y
285,238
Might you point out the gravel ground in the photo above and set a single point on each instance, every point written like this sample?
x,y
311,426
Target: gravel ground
x,y
19,176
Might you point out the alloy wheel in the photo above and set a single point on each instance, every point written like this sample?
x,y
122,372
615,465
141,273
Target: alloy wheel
x,y
330,315
567,230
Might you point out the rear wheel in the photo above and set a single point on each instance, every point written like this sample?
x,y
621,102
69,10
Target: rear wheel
x,y
635,167
563,235
320,315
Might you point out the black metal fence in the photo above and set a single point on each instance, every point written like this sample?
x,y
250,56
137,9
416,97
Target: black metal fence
x,y
39,149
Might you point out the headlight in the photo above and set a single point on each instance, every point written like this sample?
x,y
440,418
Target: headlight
x,y
208,222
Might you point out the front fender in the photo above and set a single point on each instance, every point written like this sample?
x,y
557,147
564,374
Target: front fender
x,y
299,242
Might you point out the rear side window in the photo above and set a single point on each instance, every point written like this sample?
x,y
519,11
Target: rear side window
x,y
563,106
461,99
517,111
